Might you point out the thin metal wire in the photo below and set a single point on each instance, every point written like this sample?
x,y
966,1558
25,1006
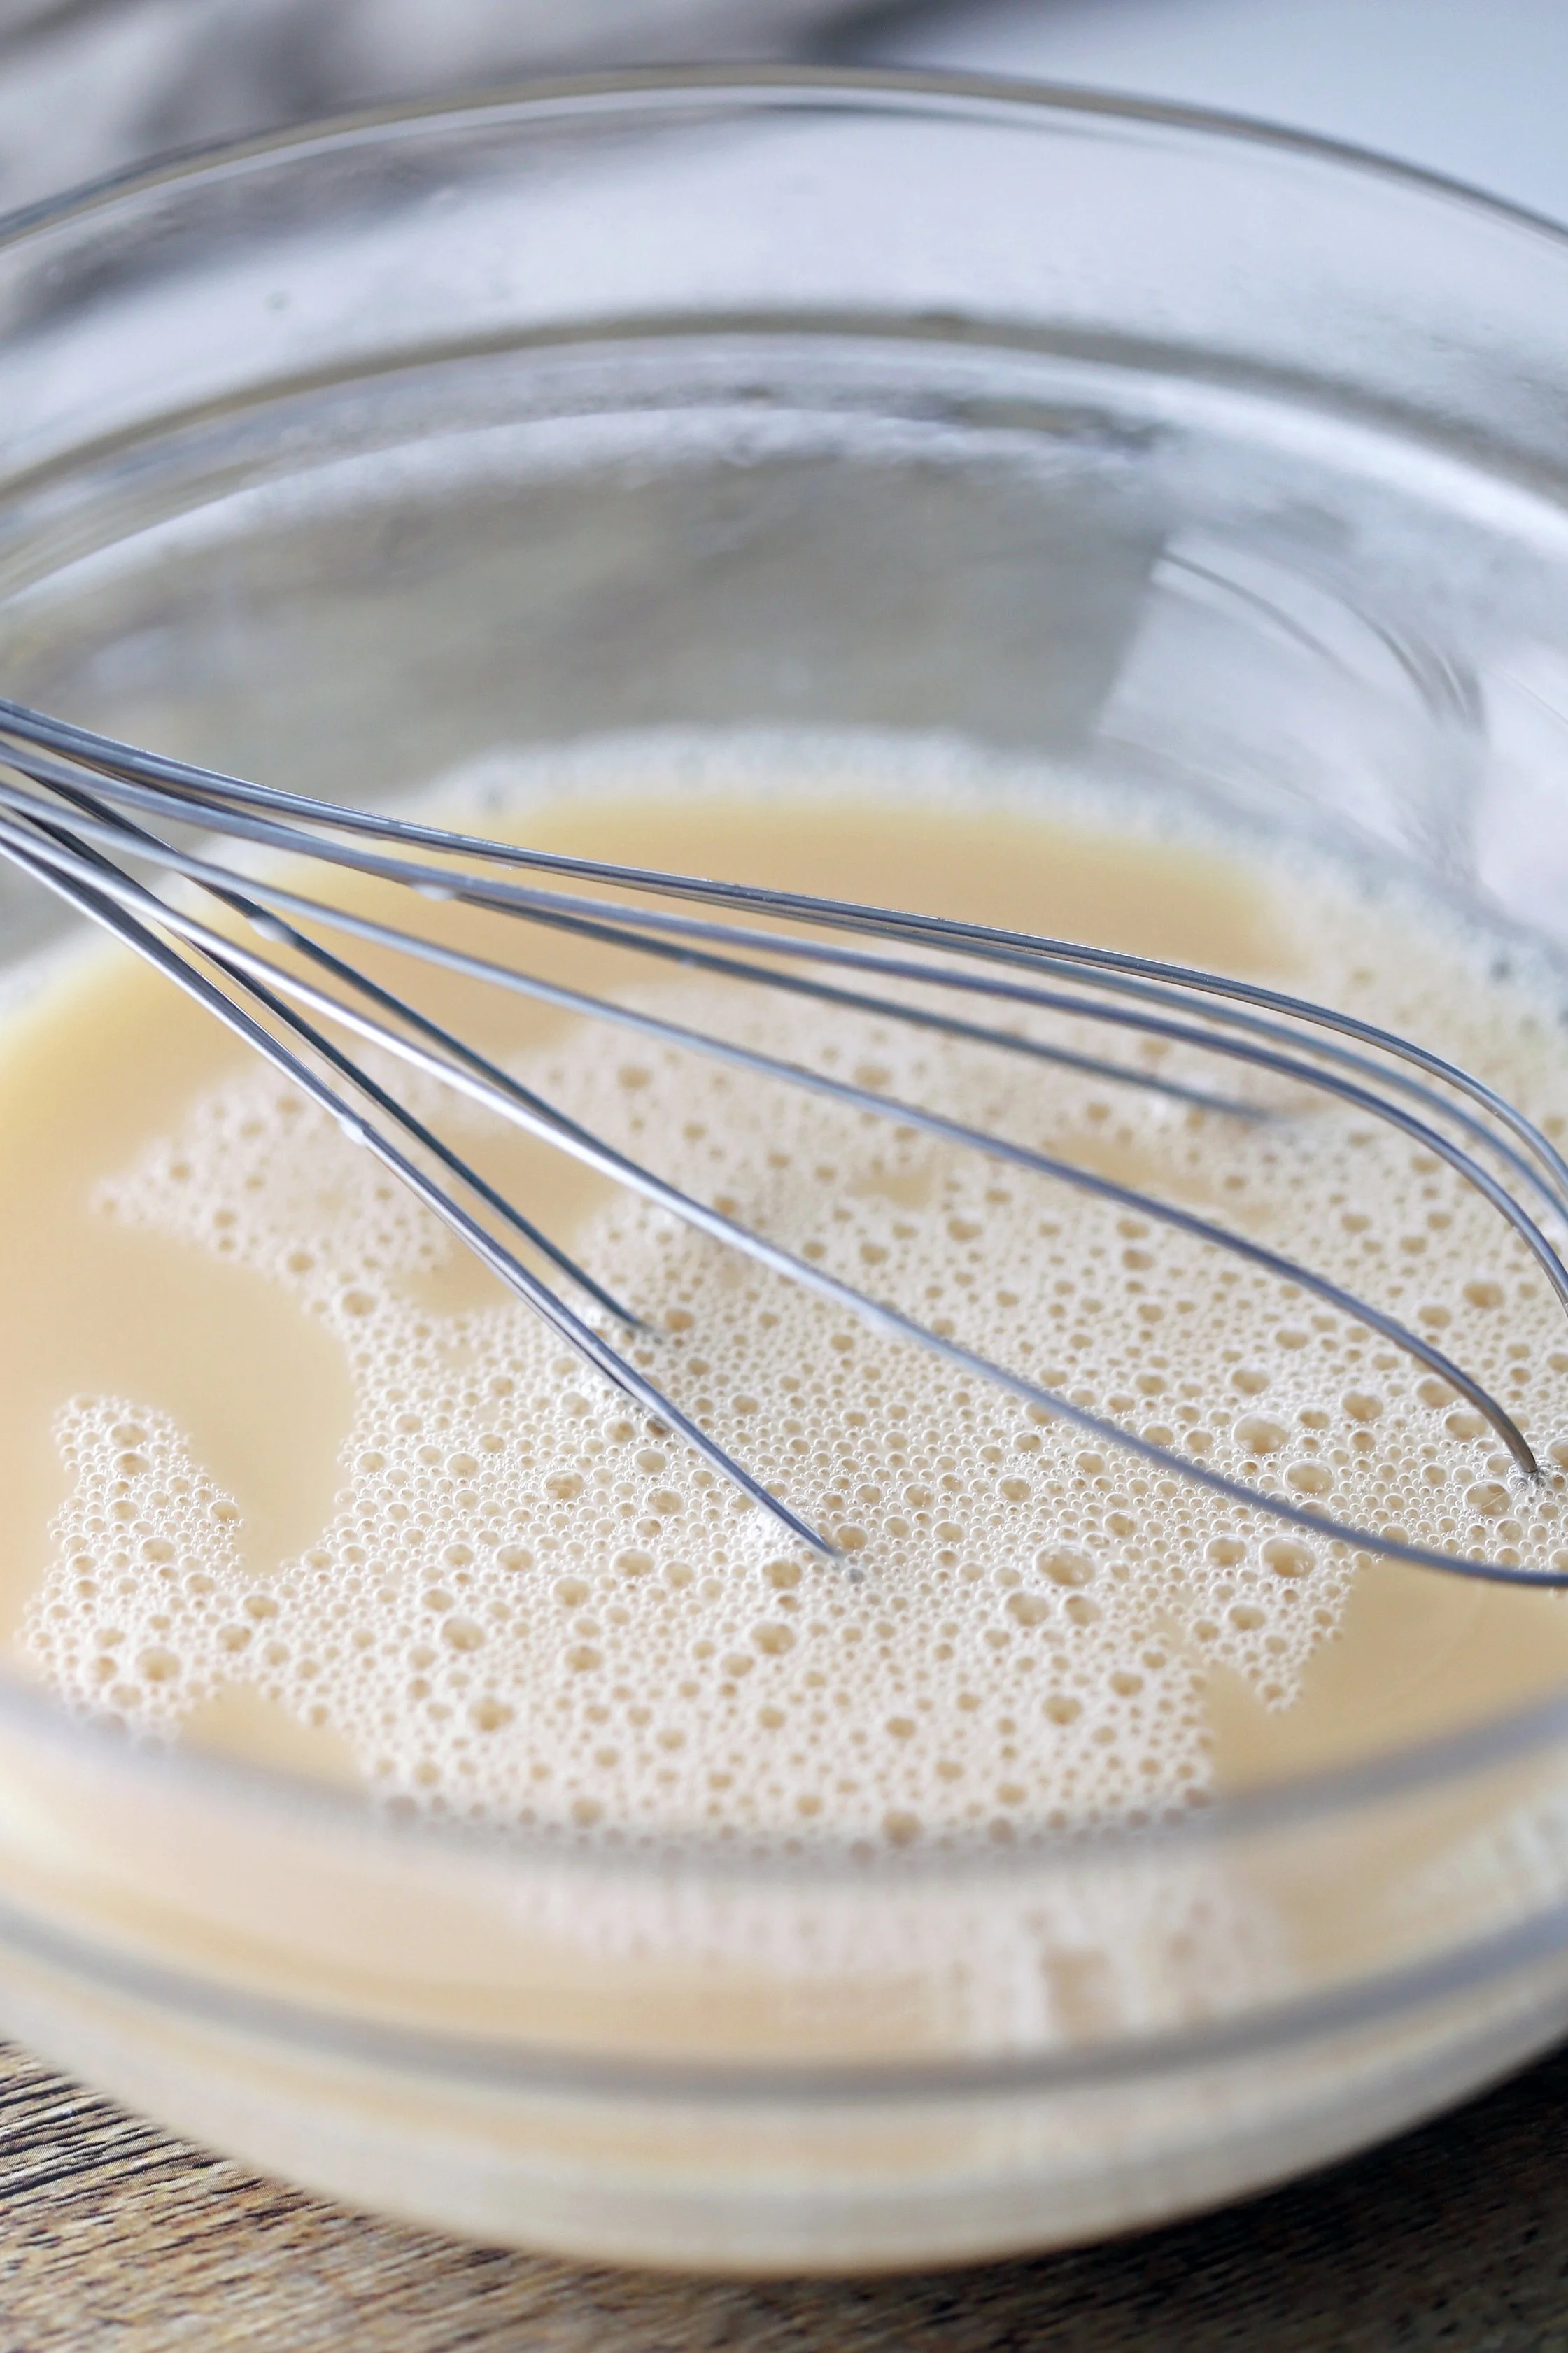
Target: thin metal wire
x,y
72,836
619,927
124,768
1142,978
855,1097
452,1162
112,907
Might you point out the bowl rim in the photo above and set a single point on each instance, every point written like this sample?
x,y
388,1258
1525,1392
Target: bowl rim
x,y
664,89
665,92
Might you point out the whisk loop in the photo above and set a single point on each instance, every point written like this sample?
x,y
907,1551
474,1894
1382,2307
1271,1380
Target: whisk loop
x,y
80,812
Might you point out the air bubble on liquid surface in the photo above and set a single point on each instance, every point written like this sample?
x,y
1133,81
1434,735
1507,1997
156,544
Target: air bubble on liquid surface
x,y
531,1603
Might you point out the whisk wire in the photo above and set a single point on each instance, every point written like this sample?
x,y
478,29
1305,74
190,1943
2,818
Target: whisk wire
x,y
111,907
1229,1000
590,1344
1138,978
749,1060
67,853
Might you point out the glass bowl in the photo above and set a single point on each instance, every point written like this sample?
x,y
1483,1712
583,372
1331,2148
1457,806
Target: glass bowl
x,y
1190,458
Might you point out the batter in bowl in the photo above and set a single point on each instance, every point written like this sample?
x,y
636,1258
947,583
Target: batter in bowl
x,y
294,1478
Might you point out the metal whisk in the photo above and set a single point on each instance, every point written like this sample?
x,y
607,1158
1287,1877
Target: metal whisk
x,y
78,812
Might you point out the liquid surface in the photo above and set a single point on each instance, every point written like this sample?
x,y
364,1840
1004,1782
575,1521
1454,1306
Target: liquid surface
x,y
291,1475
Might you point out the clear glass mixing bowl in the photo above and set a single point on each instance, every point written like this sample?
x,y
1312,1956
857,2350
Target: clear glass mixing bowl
x,y
1182,455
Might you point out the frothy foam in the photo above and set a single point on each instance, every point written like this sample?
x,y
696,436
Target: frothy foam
x,y
532,1605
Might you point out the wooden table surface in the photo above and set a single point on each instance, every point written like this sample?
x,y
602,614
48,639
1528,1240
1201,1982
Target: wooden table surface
x,y
114,2238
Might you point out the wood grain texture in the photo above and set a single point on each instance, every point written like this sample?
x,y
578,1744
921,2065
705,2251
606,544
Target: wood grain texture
x,y
114,2239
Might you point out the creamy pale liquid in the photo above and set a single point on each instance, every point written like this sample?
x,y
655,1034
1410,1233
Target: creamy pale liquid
x,y
288,1474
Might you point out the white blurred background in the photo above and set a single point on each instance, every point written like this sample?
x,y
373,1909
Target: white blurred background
x,y
1472,88
1477,89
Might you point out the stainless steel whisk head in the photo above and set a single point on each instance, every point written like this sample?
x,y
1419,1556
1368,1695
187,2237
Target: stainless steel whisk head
x,y
78,813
